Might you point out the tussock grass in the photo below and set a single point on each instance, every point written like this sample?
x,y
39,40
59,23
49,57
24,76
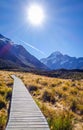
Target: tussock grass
x,y
61,100
48,96
5,96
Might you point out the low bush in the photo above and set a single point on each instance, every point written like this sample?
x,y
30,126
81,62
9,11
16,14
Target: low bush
x,y
48,96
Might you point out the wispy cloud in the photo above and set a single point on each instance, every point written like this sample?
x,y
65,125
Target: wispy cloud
x,y
31,46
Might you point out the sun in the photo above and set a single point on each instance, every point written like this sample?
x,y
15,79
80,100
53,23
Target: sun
x,y
35,14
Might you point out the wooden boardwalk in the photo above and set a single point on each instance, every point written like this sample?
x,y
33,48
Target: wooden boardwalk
x,y
24,113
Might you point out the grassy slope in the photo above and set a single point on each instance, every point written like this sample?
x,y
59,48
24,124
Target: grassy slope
x,y
61,100
5,96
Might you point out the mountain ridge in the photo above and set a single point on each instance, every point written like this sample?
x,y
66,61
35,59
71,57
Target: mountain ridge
x,y
57,60
16,56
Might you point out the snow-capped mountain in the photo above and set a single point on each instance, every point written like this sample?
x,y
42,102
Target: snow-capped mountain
x,y
59,61
13,56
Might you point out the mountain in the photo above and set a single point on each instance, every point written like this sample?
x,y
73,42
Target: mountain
x,y
13,56
59,61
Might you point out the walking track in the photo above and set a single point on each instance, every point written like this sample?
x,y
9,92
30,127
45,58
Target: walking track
x,y
24,113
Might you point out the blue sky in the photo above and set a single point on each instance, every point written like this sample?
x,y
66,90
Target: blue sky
x,y
62,29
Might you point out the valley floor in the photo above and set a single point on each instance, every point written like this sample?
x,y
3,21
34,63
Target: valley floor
x,y
61,100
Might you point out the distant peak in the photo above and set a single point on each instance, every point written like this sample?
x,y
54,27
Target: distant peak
x,y
56,53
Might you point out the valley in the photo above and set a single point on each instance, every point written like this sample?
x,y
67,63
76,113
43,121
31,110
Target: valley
x,y
61,100
41,64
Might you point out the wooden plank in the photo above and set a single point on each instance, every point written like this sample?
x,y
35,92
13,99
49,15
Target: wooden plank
x,y
24,113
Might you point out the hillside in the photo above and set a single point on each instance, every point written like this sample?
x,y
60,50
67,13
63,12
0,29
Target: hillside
x,y
13,56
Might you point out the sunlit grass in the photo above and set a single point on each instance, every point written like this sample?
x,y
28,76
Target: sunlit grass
x,y
5,96
61,100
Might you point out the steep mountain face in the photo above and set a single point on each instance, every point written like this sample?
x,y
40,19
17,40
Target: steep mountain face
x,y
59,61
16,56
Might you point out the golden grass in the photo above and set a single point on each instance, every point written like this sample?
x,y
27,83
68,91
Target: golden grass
x,y
63,97
5,95
61,100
